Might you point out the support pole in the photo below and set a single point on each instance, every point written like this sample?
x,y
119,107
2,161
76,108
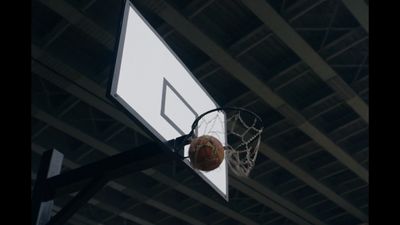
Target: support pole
x,y
50,165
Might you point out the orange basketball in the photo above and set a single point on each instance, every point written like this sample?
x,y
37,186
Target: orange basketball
x,y
206,153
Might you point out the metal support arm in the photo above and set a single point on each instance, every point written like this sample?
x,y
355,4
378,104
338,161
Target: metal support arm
x,y
89,179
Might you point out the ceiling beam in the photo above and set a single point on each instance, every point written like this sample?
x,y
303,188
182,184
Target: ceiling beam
x,y
291,67
77,218
197,196
292,39
262,28
277,198
75,17
220,55
196,7
260,194
306,10
149,200
360,11
91,98
267,202
61,27
312,182
49,39
188,208
42,56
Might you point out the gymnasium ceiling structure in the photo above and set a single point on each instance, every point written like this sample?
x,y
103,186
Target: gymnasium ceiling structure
x,y
302,65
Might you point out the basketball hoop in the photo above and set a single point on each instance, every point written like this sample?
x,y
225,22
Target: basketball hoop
x,y
242,135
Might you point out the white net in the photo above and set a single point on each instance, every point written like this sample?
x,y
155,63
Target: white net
x,y
212,124
240,133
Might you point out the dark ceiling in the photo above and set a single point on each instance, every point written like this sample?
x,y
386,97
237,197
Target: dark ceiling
x,y
302,65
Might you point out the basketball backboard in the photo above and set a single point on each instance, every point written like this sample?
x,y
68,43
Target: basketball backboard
x,y
153,84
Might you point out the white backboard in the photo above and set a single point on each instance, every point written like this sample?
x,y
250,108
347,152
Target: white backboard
x,y
155,86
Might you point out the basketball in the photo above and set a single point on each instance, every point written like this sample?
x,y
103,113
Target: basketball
x,y
206,153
